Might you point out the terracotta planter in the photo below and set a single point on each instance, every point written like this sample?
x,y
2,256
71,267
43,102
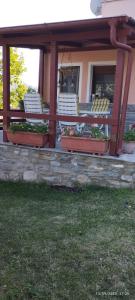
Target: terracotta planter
x,y
28,138
129,147
84,144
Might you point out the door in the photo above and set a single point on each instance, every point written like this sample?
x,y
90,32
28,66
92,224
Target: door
x,y
103,81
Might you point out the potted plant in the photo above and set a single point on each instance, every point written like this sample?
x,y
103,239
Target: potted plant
x,y
96,142
129,141
28,134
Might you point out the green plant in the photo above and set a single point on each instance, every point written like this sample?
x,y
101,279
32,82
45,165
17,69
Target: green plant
x,y
17,88
130,135
97,133
27,127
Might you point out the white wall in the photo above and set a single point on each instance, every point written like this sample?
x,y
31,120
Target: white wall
x,y
118,7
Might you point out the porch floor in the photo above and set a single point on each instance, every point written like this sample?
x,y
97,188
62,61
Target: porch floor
x,y
124,157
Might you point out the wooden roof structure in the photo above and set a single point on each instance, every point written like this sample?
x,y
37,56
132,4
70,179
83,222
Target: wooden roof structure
x,y
83,35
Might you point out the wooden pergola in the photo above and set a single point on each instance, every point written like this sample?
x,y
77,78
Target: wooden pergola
x,y
85,35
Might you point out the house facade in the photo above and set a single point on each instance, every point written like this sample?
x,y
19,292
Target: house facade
x,y
90,73
85,58
110,8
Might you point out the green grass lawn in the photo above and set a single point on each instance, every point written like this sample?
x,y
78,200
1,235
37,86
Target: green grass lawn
x,y
58,244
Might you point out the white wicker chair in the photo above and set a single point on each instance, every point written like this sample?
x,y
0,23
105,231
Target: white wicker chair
x,y
33,104
67,105
100,108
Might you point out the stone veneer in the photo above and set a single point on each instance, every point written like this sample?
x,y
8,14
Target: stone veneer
x,y
62,168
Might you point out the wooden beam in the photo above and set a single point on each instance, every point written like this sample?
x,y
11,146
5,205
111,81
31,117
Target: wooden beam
x,y
32,47
61,37
53,92
117,100
130,29
89,48
53,117
6,90
62,26
70,44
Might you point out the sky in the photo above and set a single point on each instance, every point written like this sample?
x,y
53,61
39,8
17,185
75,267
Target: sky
x,y
15,12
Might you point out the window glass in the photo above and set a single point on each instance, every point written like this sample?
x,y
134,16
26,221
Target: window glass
x,y
103,81
69,80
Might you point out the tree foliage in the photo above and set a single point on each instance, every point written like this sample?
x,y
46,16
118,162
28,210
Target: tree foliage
x,y
17,87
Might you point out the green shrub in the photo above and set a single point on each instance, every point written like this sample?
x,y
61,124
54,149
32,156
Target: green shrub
x,y
130,135
97,133
27,127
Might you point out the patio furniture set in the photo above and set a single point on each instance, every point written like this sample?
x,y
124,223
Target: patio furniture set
x,y
73,136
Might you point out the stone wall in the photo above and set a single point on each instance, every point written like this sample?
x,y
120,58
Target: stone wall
x,y
63,168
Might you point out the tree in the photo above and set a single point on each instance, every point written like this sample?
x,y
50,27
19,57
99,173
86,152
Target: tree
x,y
31,90
17,87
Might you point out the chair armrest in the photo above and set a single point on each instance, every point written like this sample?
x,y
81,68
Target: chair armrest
x,y
86,112
45,110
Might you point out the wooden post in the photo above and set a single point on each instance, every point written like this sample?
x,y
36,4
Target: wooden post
x,y
53,93
6,90
125,101
41,73
117,100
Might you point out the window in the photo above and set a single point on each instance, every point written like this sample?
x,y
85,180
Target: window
x,y
69,79
103,81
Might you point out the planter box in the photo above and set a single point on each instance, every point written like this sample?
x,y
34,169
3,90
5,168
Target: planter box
x,y
28,138
84,144
129,147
